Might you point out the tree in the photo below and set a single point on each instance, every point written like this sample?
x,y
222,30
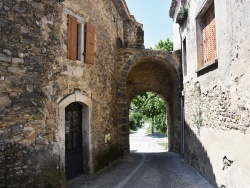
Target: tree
x,y
166,45
150,105
136,117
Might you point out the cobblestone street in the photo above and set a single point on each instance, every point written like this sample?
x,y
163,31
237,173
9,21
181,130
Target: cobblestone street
x,y
149,166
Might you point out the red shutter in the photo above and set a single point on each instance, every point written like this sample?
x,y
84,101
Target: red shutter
x,y
72,37
90,41
209,35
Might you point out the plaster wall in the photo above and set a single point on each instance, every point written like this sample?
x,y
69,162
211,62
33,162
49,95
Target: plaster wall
x,y
217,98
237,174
176,27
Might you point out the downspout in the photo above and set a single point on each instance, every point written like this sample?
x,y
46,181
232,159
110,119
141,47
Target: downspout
x,y
182,125
182,105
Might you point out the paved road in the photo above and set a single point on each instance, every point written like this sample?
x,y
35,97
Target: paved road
x,y
148,166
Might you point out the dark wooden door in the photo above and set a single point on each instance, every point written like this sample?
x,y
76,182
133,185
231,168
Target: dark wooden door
x,y
73,140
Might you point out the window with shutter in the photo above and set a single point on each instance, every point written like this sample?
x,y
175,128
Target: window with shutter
x,y
89,45
72,37
76,40
209,35
206,37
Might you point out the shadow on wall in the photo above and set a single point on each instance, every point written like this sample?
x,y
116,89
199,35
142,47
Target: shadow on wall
x,y
197,155
207,68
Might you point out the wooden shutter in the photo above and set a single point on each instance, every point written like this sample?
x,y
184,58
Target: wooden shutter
x,y
72,37
90,41
209,35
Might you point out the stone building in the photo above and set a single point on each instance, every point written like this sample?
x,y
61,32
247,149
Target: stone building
x,y
68,71
214,38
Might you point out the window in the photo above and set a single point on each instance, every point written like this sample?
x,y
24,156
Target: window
x,y
206,35
77,49
209,35
184,59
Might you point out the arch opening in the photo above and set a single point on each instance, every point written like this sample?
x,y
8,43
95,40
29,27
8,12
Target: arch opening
x,y
151,108
148,121
153,74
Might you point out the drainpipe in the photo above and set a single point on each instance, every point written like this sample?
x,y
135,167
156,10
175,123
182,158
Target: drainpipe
x,y
182,125
182,105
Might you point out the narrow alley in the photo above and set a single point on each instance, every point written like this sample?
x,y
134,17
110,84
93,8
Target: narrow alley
x,y
149,166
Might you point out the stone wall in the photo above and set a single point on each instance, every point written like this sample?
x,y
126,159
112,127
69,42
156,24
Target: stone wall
x,y
217,97
28,52
133,32
35,76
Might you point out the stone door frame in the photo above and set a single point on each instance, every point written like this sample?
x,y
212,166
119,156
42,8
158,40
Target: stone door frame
x,y
86,129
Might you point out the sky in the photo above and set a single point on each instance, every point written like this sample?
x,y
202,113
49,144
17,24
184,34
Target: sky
x,y
154,15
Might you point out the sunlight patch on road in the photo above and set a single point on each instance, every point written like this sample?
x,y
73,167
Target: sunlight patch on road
x,y
140,142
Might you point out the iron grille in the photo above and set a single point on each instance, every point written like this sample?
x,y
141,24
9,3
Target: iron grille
x,y
73,114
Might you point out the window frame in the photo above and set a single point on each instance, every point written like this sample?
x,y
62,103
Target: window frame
x,y
204,7
80,41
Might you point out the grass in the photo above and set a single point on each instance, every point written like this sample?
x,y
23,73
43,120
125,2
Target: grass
x,y
132,131
149,129
163,144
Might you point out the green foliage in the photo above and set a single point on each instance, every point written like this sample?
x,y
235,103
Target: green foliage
x,y
166,45
149,106
132,125
135,119
184,10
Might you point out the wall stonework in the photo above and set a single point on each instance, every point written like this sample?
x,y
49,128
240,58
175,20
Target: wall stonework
x,y
28,52
35,76
217,97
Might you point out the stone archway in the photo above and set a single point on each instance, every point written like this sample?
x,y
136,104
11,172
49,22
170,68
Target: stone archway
x,y
149,70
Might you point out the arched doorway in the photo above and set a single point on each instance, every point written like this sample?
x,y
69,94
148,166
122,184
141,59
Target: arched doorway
x,y
74,134
151,71
73,140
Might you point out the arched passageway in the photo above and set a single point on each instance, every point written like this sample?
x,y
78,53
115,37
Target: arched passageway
x,y
154,71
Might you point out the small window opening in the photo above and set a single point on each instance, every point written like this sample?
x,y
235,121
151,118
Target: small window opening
x,y
80,42
184,59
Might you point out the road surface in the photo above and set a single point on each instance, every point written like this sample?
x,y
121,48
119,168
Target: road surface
x,y
148,166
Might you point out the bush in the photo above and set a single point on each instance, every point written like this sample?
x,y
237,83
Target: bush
x,y
132,125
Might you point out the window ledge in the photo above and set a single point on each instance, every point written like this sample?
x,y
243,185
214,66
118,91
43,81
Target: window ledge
x,y
207,65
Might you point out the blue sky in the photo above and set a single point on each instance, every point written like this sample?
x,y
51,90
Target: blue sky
x,y
153,14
